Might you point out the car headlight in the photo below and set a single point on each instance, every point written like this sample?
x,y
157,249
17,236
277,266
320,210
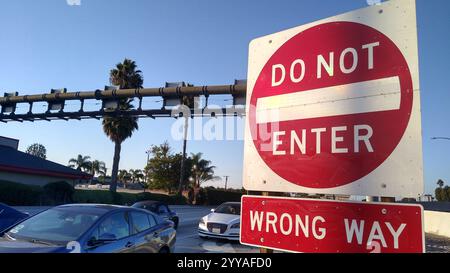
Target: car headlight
x,y
237,225
202,221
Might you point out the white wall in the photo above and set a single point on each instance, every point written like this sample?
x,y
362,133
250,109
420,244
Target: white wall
x,y
436,222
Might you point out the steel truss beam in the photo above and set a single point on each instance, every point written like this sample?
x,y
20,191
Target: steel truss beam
x,y
238,90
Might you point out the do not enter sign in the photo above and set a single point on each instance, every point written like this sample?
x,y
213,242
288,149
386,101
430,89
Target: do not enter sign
x,y
332,102
343,101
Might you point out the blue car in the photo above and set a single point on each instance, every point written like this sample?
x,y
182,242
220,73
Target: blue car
x,y
88,228
160,209
9,216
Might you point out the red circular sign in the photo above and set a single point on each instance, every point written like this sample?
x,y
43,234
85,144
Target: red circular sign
x,y
359,54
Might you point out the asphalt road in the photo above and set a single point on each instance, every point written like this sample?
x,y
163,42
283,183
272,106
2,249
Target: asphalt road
x,y
189,242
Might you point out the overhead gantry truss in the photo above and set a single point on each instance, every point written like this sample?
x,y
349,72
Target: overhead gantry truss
x,y
171,94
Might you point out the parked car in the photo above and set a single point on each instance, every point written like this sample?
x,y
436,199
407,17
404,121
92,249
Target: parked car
x,y
89,228
9,216
223,222
160,209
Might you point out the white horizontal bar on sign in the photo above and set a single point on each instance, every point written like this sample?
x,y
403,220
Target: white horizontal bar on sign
x,y
355,98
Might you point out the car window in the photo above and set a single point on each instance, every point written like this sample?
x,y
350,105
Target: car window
x,y
163,209
59,225
228,208
152,220
116,224
151,208
140,222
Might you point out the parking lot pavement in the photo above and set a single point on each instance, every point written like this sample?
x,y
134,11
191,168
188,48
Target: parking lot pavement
x,y
437,244
189,242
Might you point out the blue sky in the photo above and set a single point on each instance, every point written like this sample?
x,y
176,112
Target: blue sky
x,y
48,44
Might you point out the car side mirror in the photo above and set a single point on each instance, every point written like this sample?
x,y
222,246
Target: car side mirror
x,y
103,239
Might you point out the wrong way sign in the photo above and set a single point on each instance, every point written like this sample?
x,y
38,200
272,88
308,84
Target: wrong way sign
x,y
311,225
334,106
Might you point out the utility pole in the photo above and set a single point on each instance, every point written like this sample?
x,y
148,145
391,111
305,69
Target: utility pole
x,y
183,158
226,181
146,163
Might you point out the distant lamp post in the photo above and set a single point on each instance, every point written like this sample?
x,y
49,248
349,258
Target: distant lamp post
x,y
226,180
148,152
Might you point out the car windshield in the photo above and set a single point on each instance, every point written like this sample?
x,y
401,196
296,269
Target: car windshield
x,y
57,225
234,209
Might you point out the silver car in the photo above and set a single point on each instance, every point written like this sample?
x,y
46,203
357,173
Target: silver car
x,y
223,222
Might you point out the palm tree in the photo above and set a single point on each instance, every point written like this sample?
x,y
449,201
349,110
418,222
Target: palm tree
x,y
97,167
126,75
136,175
124,176
202,171
81,163
119,128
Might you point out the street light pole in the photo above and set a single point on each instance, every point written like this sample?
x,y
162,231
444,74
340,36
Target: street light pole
x,y
226,181
146,163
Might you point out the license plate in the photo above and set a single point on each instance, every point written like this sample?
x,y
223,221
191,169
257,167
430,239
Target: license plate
x,y
216,230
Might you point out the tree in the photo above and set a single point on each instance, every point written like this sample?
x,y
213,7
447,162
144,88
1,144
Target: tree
x,y
202,171
125,177
97,167
81,163
442,193
126,75
163,168
119,128
38,150
136,175
440,183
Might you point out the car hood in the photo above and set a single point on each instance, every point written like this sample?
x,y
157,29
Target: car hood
x,y
7,246
222,218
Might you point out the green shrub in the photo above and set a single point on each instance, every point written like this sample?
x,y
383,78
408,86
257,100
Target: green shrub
x,y
58,193
94,196
122,198
16,194
169,199
213,197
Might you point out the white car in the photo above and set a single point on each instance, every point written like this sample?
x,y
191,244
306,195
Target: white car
x,y
223,222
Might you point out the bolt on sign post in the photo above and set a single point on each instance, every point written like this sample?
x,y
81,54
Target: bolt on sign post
x,y
311,225
333,107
